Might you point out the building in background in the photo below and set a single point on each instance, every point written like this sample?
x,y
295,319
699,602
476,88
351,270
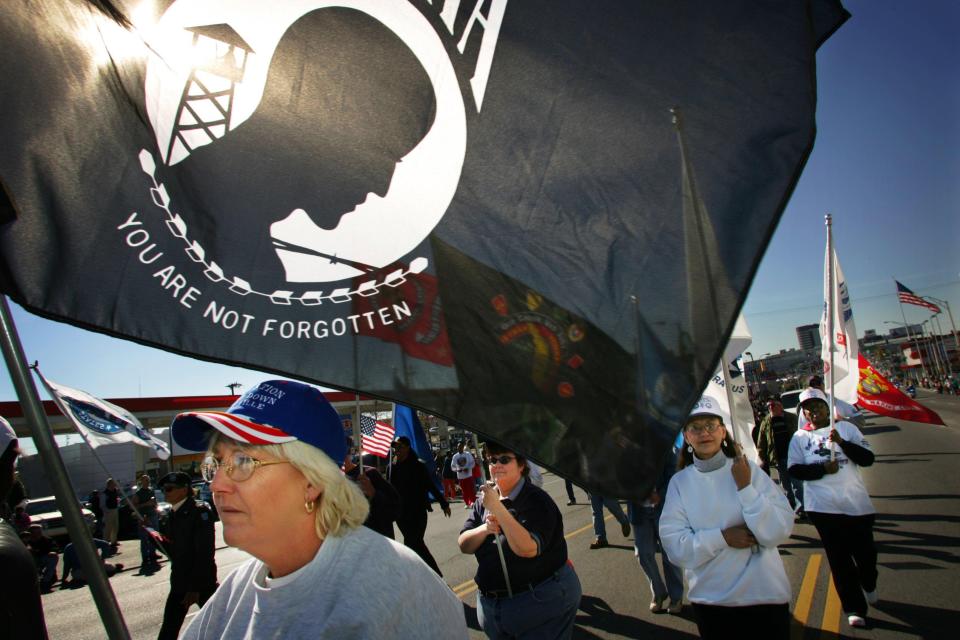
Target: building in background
x,y
809,336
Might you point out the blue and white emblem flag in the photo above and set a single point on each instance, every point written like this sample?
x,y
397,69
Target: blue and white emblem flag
x,y
101,422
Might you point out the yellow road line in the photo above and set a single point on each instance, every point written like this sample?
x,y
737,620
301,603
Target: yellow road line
x,y
801,609
470,586
831,611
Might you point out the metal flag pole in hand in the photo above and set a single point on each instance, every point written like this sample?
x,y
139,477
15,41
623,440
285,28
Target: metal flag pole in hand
x,y
831,302
357,434
103,595
496,539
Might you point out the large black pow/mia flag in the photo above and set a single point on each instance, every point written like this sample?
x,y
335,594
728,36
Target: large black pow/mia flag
x,y
535,218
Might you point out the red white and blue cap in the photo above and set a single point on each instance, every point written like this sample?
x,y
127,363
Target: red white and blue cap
x,y
273,412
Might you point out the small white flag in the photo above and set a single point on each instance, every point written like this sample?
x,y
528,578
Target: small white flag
x,y
100,422
846,371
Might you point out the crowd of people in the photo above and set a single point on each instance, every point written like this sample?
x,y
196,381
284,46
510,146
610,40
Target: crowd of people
x,y
284,471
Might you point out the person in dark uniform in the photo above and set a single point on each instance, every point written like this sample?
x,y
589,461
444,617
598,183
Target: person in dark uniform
x,y
413,483
189,541
382,496
21,613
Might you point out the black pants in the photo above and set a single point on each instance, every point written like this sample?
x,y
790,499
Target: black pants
x,y
413,526
767,621
174,612
848,543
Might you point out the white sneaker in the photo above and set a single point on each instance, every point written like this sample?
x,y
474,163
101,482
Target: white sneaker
x,y
656,605
676,607
872,596
856,621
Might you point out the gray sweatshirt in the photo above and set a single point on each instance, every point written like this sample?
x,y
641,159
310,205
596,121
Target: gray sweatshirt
x,y
359,585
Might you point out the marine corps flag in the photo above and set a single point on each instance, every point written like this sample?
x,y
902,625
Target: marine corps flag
x,y
878,395
266,184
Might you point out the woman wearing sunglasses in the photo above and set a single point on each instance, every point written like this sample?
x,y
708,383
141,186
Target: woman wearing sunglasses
x,y
722,521
544,591
273,463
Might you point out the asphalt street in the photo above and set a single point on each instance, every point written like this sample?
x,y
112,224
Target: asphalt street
x,y
915,486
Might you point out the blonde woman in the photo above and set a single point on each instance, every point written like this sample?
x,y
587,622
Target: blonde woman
x,y
316,571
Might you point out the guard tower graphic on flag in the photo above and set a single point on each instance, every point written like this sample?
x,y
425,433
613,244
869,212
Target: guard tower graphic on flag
x,y
203,114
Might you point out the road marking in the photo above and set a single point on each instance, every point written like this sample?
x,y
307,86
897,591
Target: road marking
x,y
831,611
470,586
801,609
464,589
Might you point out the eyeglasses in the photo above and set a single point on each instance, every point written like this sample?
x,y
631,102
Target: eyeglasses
x,y
500,459
240,469
170,487
700,428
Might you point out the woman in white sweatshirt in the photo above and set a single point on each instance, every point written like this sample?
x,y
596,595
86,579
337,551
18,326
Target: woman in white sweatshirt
x,y
722,521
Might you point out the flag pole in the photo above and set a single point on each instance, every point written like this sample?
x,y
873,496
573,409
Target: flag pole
x,y
931,339
393,413
496,539
916,343
357,433
103,595
67,414
941,345
831,307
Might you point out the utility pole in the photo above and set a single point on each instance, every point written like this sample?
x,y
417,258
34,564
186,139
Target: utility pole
x,y
233,386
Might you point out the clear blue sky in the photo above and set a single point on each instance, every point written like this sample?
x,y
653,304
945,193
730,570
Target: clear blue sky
x,y
886,165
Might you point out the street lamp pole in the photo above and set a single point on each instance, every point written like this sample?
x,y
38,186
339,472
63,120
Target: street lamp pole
x,y
953,326
931,345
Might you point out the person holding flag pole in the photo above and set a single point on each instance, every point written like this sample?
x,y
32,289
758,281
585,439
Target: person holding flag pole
x,y
835,498
114,626
519,522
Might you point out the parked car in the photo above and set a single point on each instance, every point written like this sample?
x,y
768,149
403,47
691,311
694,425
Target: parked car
x,y
790,400
46,513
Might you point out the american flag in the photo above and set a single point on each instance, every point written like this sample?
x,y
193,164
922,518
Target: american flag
x,y
905,295
377,436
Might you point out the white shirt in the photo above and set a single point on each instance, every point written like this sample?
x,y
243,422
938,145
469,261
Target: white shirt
x,y
840,492
463,464
698,507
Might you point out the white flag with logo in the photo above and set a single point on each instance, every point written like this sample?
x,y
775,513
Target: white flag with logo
x,y
101,422
741,418
846,372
